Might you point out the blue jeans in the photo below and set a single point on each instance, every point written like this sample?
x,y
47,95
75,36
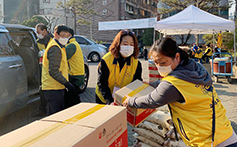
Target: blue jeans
x,y
207,59
197,59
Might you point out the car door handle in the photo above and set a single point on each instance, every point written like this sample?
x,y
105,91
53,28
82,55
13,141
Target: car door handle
x,y
15,66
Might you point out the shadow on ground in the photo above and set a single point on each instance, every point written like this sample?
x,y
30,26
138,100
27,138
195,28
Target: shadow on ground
x,y
219,85
88,95
234,125
226,93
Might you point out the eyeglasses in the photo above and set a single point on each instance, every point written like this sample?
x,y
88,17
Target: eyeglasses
x,y
128,32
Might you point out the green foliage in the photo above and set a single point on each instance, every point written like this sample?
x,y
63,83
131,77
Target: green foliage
x,y
170,6
147,37
227,39
34,21
99,42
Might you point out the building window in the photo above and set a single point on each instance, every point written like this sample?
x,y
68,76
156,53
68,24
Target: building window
x,y
142,12
104,12
129,9
41,11
104,2
147,2
46,1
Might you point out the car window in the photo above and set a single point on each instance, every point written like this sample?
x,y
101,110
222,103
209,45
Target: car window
x,y
81,40
92,41
18,37
5,45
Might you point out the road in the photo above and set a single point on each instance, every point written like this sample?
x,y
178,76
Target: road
x,y
227,93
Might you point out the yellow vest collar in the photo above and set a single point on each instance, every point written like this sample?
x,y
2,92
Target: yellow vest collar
x,y
72,40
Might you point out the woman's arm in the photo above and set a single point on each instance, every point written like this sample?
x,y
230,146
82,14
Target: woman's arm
x,y
154,84
138,73
102,82
165,93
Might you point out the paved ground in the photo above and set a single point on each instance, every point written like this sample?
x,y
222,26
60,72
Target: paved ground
x,y
227,93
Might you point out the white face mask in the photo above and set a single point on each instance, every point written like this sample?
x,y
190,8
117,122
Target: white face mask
x,y
63,41
40,36
164,70
126,50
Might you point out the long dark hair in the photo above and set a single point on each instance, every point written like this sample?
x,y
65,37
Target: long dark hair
x,y
168,47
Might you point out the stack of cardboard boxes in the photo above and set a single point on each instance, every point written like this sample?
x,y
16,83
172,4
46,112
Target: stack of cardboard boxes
x,y
84,125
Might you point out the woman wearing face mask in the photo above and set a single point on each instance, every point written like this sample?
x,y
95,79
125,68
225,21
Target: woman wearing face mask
x,y
187,88
118,67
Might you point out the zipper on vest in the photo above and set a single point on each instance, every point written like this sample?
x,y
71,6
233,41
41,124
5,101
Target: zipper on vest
x,y
181,128
68,65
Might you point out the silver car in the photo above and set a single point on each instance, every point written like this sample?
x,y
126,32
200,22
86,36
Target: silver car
x,y
91,49
19,68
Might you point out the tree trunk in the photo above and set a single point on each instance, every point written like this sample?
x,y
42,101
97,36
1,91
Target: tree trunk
x,y
75,23
91,28
187,38
182,39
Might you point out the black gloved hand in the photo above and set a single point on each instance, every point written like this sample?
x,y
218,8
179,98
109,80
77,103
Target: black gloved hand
x,y
70,87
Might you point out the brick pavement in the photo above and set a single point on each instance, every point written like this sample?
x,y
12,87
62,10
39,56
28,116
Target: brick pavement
x,y
227,93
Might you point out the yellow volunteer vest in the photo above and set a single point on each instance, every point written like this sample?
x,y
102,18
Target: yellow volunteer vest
x,y
76,62
199,56
122,78
48,83
193,119
210,53
42,46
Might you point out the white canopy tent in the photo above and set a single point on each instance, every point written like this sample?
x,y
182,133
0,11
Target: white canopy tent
x,y
194,21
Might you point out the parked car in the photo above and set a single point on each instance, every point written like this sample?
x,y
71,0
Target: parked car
x,y
91,49
86,76
19,67
107,45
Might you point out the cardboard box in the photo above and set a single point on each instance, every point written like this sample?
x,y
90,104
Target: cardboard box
x,y
84,125
136,88
49,134
108,121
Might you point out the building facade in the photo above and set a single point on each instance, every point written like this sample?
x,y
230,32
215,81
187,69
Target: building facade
x,y
114,10
232,11
105,10
1,11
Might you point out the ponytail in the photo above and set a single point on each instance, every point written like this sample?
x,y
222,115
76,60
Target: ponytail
x,y
183,56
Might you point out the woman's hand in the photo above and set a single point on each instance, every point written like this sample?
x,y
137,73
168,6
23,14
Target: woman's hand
x,y
145,82
125,103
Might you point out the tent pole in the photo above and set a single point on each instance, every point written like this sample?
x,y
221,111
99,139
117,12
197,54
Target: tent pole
x,y
234,49
213,41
